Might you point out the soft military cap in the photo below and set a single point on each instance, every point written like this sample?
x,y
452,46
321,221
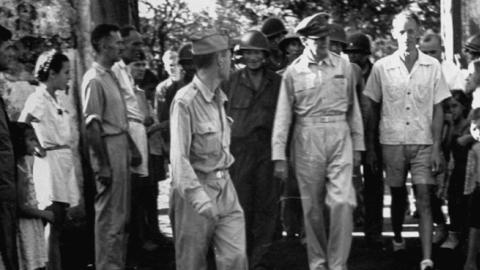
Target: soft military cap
x,y
5,34
210,42
314,26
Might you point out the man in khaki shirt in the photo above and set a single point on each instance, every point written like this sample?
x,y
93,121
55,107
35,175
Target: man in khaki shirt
x,y
204,202
318,91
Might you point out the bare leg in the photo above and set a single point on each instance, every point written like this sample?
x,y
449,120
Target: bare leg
x,y
423,193
473,248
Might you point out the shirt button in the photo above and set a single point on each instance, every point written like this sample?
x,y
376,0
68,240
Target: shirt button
x,y
408,108
408,123
408,93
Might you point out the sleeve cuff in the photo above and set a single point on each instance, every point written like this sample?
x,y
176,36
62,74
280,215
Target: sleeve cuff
x,y
91,117
197,197
278,154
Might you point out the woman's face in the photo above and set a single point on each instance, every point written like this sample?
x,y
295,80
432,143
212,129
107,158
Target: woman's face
x,y
456,109
61,78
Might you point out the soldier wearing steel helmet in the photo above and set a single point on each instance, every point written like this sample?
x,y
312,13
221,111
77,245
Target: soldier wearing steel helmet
x,y
318,91
275,31
358,50
252,95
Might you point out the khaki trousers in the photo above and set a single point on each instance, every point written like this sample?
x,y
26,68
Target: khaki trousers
x,y
321,151
194,234
112,208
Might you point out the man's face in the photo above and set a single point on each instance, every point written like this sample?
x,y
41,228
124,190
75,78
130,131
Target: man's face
x,y
5,57
358,57
113,46
133,46
432,48
336,47
293,50
318,47
138,69
275,40
405,32
253,59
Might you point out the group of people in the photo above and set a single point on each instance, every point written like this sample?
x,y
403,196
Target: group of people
x,y
268,137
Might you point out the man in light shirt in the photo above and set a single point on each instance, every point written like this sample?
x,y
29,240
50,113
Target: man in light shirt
x,y
431,44
133,43
405,91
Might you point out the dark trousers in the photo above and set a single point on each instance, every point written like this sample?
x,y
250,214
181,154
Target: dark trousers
x,y
291,212
457,203
59,210
138,219
373,198
258,193
8,235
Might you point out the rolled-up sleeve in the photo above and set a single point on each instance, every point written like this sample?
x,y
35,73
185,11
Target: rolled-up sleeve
x,y
93,102
354,115
283,118
183,176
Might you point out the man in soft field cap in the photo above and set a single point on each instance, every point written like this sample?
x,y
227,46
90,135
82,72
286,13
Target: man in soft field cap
x,y
206,210
318,91
8,213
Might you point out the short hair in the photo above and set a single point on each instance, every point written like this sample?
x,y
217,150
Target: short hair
x,y
125,30
406,14
101,32
168,55
428,37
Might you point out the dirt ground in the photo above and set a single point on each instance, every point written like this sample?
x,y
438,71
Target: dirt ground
x,y
290,254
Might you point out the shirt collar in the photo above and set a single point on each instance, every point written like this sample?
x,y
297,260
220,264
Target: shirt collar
x,y
306,59
101,69
397,59
208,94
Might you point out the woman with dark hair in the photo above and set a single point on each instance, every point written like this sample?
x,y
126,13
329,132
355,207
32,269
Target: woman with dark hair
x,y
53,175
457,142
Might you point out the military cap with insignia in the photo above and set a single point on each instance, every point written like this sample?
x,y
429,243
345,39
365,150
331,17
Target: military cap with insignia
x,y
314,26
209,41
5,34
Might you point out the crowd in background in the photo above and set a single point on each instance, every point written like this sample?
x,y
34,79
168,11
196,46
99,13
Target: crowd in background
x,y
303,118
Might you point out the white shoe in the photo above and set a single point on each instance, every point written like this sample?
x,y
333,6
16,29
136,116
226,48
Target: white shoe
x,y
426,265
398,246
452,241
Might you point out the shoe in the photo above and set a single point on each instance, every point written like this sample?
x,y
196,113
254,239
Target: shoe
x,y
439,234
452,241
398,246
426,265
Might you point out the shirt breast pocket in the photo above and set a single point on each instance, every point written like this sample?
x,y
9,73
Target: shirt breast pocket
x,y
423,93
206,138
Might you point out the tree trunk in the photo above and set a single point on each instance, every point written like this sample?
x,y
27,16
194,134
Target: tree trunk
x,y
120,12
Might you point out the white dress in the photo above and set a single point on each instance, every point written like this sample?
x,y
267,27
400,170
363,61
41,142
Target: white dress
x,y
54,175
32,248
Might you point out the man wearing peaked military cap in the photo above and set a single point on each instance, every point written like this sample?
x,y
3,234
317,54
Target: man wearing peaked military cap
x,y
205,206
8,213
318,91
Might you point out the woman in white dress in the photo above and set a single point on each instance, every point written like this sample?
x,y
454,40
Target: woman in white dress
x,y
54,177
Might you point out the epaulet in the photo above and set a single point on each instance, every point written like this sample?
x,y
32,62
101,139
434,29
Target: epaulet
x,y
187,93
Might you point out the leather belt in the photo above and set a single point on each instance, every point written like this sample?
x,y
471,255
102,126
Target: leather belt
x,y
135,120
56,147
